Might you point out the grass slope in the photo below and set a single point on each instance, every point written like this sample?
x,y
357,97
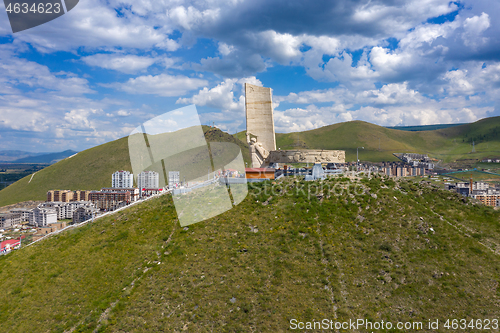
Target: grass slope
x,y
338,256
449,144
88,170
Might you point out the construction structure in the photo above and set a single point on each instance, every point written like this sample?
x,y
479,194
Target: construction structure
x,y
261,137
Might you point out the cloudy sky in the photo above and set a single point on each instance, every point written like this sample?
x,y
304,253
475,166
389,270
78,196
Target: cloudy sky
x,y
98,72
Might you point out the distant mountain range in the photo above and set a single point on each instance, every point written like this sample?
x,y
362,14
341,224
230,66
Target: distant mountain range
x,y
18,156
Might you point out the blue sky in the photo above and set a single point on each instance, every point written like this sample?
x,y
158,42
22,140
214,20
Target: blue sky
x,y
98,72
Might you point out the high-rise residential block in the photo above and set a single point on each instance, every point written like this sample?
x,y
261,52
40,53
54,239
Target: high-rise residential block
x,y
148,180
122,179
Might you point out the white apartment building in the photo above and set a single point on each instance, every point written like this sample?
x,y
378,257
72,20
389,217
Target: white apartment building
x,y
122,179
476,186
173,178
148,180
42,217
25,213
65,210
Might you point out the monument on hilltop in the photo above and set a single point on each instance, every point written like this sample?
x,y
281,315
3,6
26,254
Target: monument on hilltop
x,y
261,137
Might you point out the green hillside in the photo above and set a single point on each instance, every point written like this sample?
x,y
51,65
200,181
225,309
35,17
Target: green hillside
x,y
398,252
88,170
449,144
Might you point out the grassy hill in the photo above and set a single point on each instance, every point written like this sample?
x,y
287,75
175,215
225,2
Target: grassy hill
x,y
398,252
448,144
88,170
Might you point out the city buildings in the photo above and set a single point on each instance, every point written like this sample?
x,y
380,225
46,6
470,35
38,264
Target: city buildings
x,y
148,179
484,192
67,195
122,179
42,217
491,160
7,220
476,186
147,192
401,170
488,199
173,179
65,210
25,213
42,231
10,244
113,198
83,214
416,160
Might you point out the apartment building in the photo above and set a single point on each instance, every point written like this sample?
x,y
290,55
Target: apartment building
x,y
42,217
67,195
173,178
476,186
488,197
148,179
8,220
122,179
59,195
395,170
81,196
83,214
65,210
25,213
111,199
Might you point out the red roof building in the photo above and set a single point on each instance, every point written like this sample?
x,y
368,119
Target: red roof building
x,y
10,244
